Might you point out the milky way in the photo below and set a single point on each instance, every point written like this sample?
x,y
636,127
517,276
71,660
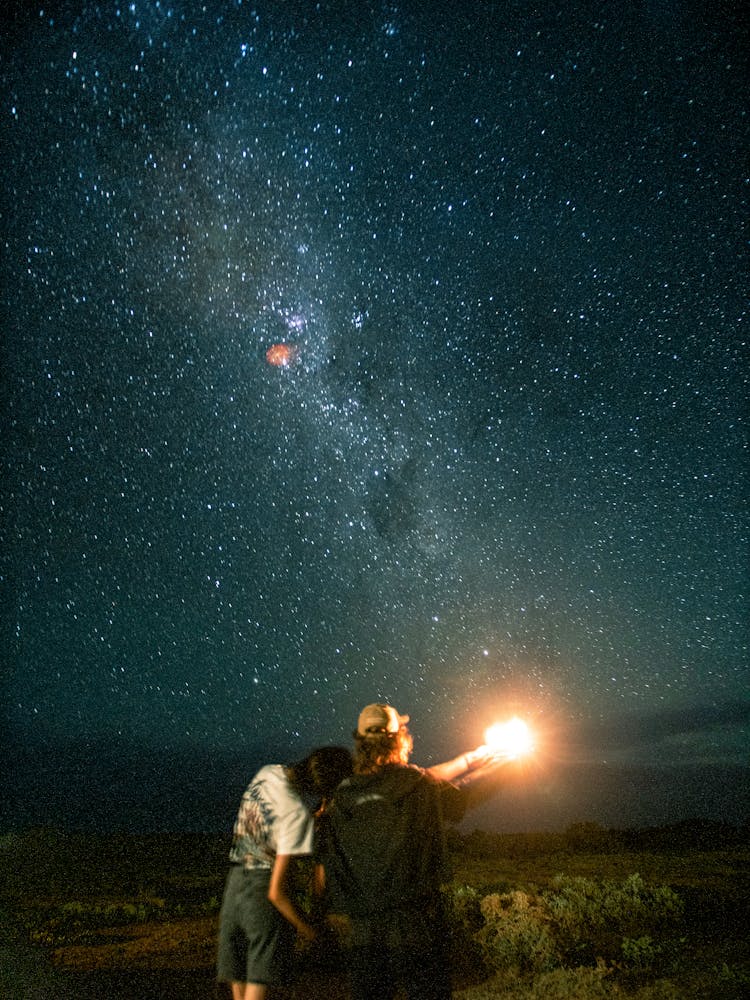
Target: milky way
x,y
375,351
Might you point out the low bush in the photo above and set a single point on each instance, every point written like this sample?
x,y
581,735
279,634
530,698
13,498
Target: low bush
x,y
578,923
558,984
617,921
516,933
734,982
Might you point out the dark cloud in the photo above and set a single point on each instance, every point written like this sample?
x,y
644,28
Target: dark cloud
x,y
672,735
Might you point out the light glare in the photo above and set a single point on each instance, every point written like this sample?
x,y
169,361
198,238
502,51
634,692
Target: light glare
x,y
511,739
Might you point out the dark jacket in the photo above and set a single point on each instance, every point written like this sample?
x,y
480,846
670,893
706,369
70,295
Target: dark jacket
x,y
382,843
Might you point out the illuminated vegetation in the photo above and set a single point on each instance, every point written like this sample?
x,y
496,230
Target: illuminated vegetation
x,y
533,917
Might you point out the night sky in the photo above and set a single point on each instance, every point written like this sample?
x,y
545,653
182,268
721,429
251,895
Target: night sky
x,y
374,351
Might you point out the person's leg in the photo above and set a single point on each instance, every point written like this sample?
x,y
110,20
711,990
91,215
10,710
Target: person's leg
x,y
269,943
232,944
428,981
255,991
370,975
249,991
423,975
421,964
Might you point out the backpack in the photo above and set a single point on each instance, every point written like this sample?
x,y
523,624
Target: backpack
x,y
381,843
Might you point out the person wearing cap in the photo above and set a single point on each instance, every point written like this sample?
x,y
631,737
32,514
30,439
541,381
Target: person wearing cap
x,y
378,719
274,825
381,857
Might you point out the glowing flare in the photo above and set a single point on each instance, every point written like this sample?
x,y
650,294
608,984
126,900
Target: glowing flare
x,y
511,739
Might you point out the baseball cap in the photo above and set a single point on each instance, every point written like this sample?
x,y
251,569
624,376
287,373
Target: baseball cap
x,y
375,719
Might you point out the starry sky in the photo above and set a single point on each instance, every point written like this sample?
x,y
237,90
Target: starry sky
x,y
375,351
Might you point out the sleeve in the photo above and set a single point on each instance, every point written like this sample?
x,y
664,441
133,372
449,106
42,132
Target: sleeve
x,y
453,798
295,833
294,826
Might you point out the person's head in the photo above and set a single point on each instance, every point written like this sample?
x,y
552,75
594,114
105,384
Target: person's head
x,y
321,772
381,738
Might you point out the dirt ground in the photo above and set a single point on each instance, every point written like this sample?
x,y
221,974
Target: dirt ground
x,y
132,968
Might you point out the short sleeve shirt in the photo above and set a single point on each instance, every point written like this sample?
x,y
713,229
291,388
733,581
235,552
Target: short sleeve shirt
x,y
272,819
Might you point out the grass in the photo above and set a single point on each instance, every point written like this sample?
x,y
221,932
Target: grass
x,y
136,917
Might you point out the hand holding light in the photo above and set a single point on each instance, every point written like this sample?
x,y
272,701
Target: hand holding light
x,y
478,757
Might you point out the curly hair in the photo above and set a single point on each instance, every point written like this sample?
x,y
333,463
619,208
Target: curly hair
x,y
375,750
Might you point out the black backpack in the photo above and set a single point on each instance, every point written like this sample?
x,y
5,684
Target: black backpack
x,y
381,842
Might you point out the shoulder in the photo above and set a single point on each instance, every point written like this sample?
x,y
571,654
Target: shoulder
x,y
274,772
451,797
271,783
403,779
281,791
265,777
268,772
420,775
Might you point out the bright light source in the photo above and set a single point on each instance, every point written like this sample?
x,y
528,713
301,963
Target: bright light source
x,y
511,739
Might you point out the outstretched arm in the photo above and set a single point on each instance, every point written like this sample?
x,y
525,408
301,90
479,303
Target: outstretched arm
x,y
463,764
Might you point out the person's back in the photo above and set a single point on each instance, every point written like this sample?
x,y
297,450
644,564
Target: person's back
x,y
381,849
382,843
381,856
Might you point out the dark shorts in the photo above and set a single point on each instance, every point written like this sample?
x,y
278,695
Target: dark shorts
x,y
256,944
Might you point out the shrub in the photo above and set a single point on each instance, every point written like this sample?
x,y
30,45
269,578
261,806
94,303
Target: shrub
x,y
558,984
639,954
58,923
594,919
515,933
734,982
662,989
572,984
464,917
462,908
582,983
576,923
590,838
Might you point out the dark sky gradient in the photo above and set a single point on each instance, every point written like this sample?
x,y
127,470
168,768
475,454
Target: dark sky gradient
x,y
506,468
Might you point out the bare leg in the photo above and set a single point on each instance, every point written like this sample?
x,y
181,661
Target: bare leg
x,y
249,991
